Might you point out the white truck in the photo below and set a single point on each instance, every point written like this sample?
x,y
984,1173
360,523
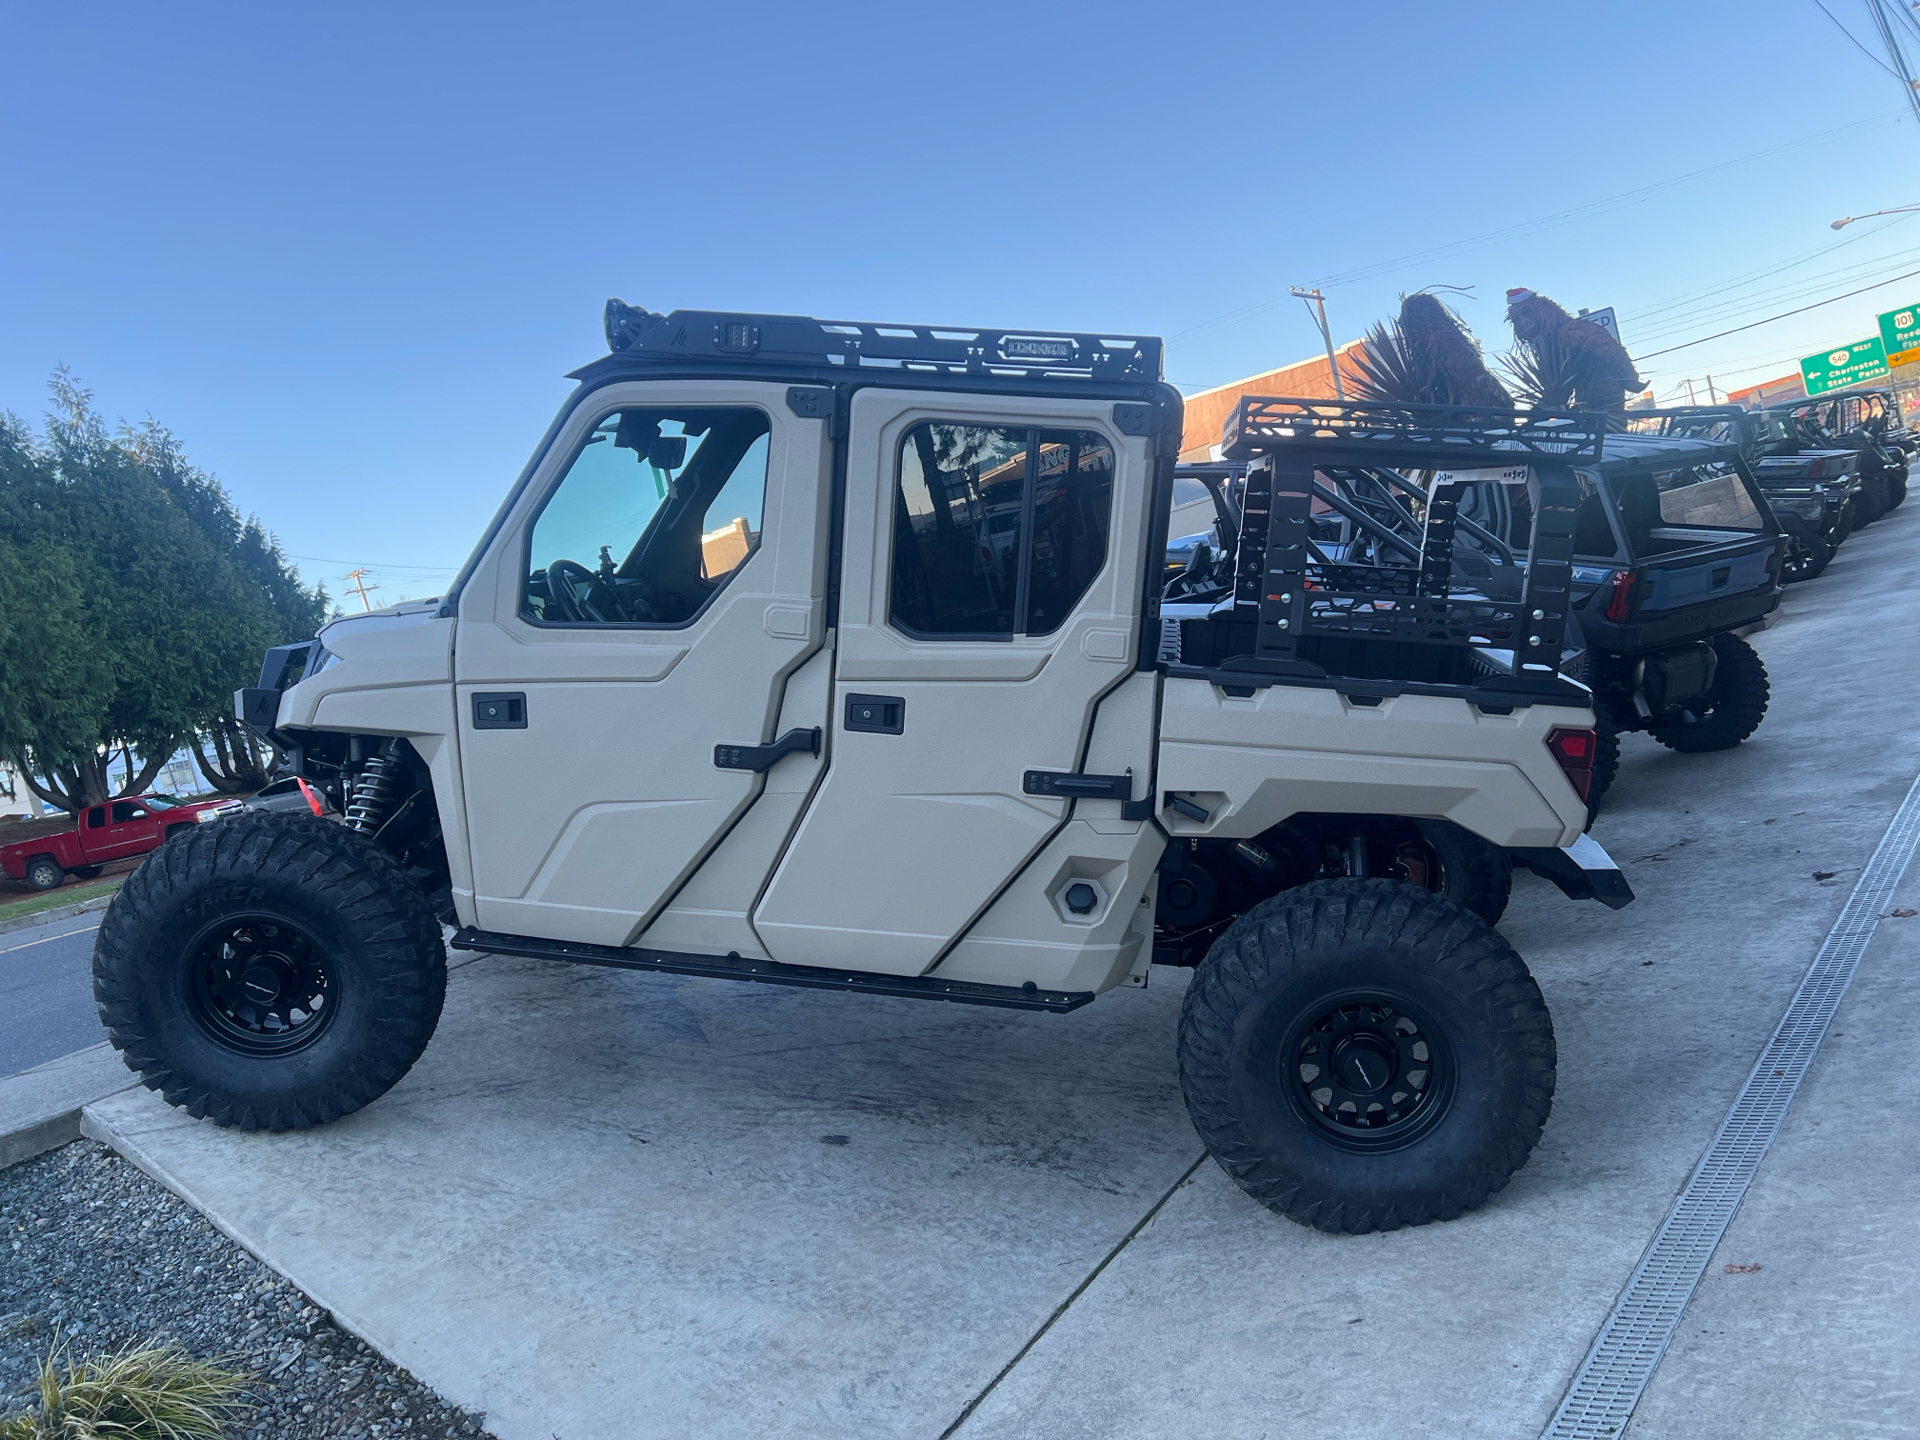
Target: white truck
x,y
828,655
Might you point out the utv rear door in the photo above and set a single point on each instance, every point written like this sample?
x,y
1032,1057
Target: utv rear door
x,y
646,600
991,592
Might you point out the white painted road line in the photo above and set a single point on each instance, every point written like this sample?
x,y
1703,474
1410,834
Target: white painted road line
x,y
44,939
1629,1347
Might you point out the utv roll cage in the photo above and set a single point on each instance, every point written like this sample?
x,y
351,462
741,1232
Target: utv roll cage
x,y
1756,432
1380,614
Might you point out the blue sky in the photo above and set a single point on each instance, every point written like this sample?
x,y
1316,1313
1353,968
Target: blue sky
x,y
346,253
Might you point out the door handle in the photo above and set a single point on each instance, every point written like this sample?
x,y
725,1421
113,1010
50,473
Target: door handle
x,y
500,710
762,757
877,714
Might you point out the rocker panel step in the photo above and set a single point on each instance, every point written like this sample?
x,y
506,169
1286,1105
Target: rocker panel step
x,y
772,972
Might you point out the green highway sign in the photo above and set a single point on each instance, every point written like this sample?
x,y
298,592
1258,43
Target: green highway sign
x,y
1900,335
1845,365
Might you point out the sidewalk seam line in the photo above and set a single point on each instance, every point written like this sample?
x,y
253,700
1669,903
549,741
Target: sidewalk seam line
x,y
1078,1290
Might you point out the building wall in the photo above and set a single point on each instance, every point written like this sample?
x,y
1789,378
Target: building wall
x,y
1207,411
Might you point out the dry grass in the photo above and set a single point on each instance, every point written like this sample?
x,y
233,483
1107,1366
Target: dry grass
x,y
139,1392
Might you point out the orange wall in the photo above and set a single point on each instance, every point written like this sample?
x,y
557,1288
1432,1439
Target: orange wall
x,y
1208,411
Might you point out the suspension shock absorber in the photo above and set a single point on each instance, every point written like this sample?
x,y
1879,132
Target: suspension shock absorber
x,y
376,789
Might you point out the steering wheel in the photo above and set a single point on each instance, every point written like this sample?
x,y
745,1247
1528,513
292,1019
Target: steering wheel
x,y
562,575
597,602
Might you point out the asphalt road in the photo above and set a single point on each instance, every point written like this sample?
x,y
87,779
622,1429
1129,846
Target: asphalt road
x,y
46,992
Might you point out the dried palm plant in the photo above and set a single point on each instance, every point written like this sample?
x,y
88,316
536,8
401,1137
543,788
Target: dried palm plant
x,y
1426,356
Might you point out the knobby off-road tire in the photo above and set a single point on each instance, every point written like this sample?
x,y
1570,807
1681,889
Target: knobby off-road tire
x,y
1339,982
1740,694
1870,503
1606,760
1475,874
270,972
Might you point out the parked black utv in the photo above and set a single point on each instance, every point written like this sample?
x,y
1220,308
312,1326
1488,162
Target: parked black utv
x,y
1814,494
1868,423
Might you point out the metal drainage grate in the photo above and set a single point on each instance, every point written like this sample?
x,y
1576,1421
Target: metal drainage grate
x,y
1610,1381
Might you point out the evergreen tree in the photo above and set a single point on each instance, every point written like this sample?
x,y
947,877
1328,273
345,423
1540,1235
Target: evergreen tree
x,y
133,601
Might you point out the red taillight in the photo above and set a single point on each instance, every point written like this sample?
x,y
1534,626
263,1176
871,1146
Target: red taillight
x,y
1574,749
1620,596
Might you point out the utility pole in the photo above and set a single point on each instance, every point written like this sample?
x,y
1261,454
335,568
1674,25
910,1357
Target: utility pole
x,y
1712,396
358,585
1690,399
1316,304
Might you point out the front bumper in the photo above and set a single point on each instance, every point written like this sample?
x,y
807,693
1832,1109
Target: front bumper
x,y
1582,870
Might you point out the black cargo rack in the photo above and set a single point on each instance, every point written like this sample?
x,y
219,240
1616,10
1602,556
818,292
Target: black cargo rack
x,y
785,341
1301,617
1410,436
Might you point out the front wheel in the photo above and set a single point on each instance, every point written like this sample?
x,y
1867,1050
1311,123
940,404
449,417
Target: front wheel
x,y
88,872
1360,1055
1733,710
271,972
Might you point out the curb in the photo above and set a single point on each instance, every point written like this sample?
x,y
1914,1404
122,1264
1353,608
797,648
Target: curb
x,y
40,1108
56,912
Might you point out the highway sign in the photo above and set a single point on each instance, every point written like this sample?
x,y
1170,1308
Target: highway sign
x,y
1844,365
1900,335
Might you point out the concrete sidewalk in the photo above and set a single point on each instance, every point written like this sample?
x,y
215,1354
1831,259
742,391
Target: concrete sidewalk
x,y
619,1205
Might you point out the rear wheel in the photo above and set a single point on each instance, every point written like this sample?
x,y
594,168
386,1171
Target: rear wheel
x,y
270,972
1870,503
1360,1055
1734,708
44,872
1606,760
1806,557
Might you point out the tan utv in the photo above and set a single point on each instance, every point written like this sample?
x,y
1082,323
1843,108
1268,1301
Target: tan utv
x,y
830,655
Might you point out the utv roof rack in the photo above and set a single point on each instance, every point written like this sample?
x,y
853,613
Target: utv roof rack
x,y
733,339
1372,432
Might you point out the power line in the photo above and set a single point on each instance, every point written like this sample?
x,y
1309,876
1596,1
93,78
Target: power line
x,y
1831,299
1558,217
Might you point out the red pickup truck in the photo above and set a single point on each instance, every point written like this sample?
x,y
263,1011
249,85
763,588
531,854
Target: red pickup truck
x,y
112,831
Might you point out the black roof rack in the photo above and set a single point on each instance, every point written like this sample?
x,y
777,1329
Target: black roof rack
x,y
725,337
1414,436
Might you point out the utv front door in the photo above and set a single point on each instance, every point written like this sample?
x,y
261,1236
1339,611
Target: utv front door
x,y
990,595
646,600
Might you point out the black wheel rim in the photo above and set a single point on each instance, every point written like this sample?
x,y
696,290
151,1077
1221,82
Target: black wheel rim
x,y
1368,1070
260,986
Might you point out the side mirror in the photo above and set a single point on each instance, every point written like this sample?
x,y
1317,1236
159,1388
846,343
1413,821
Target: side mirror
x,y
667,452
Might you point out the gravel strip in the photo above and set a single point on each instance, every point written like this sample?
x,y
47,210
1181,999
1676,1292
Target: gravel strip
x,y
94,1254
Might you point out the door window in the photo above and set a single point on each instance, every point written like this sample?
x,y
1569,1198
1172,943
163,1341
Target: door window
x,y
97,817
126,810
659,509
998,530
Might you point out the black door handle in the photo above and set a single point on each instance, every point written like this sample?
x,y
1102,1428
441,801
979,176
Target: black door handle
x,y
500,710
877,714
762,757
